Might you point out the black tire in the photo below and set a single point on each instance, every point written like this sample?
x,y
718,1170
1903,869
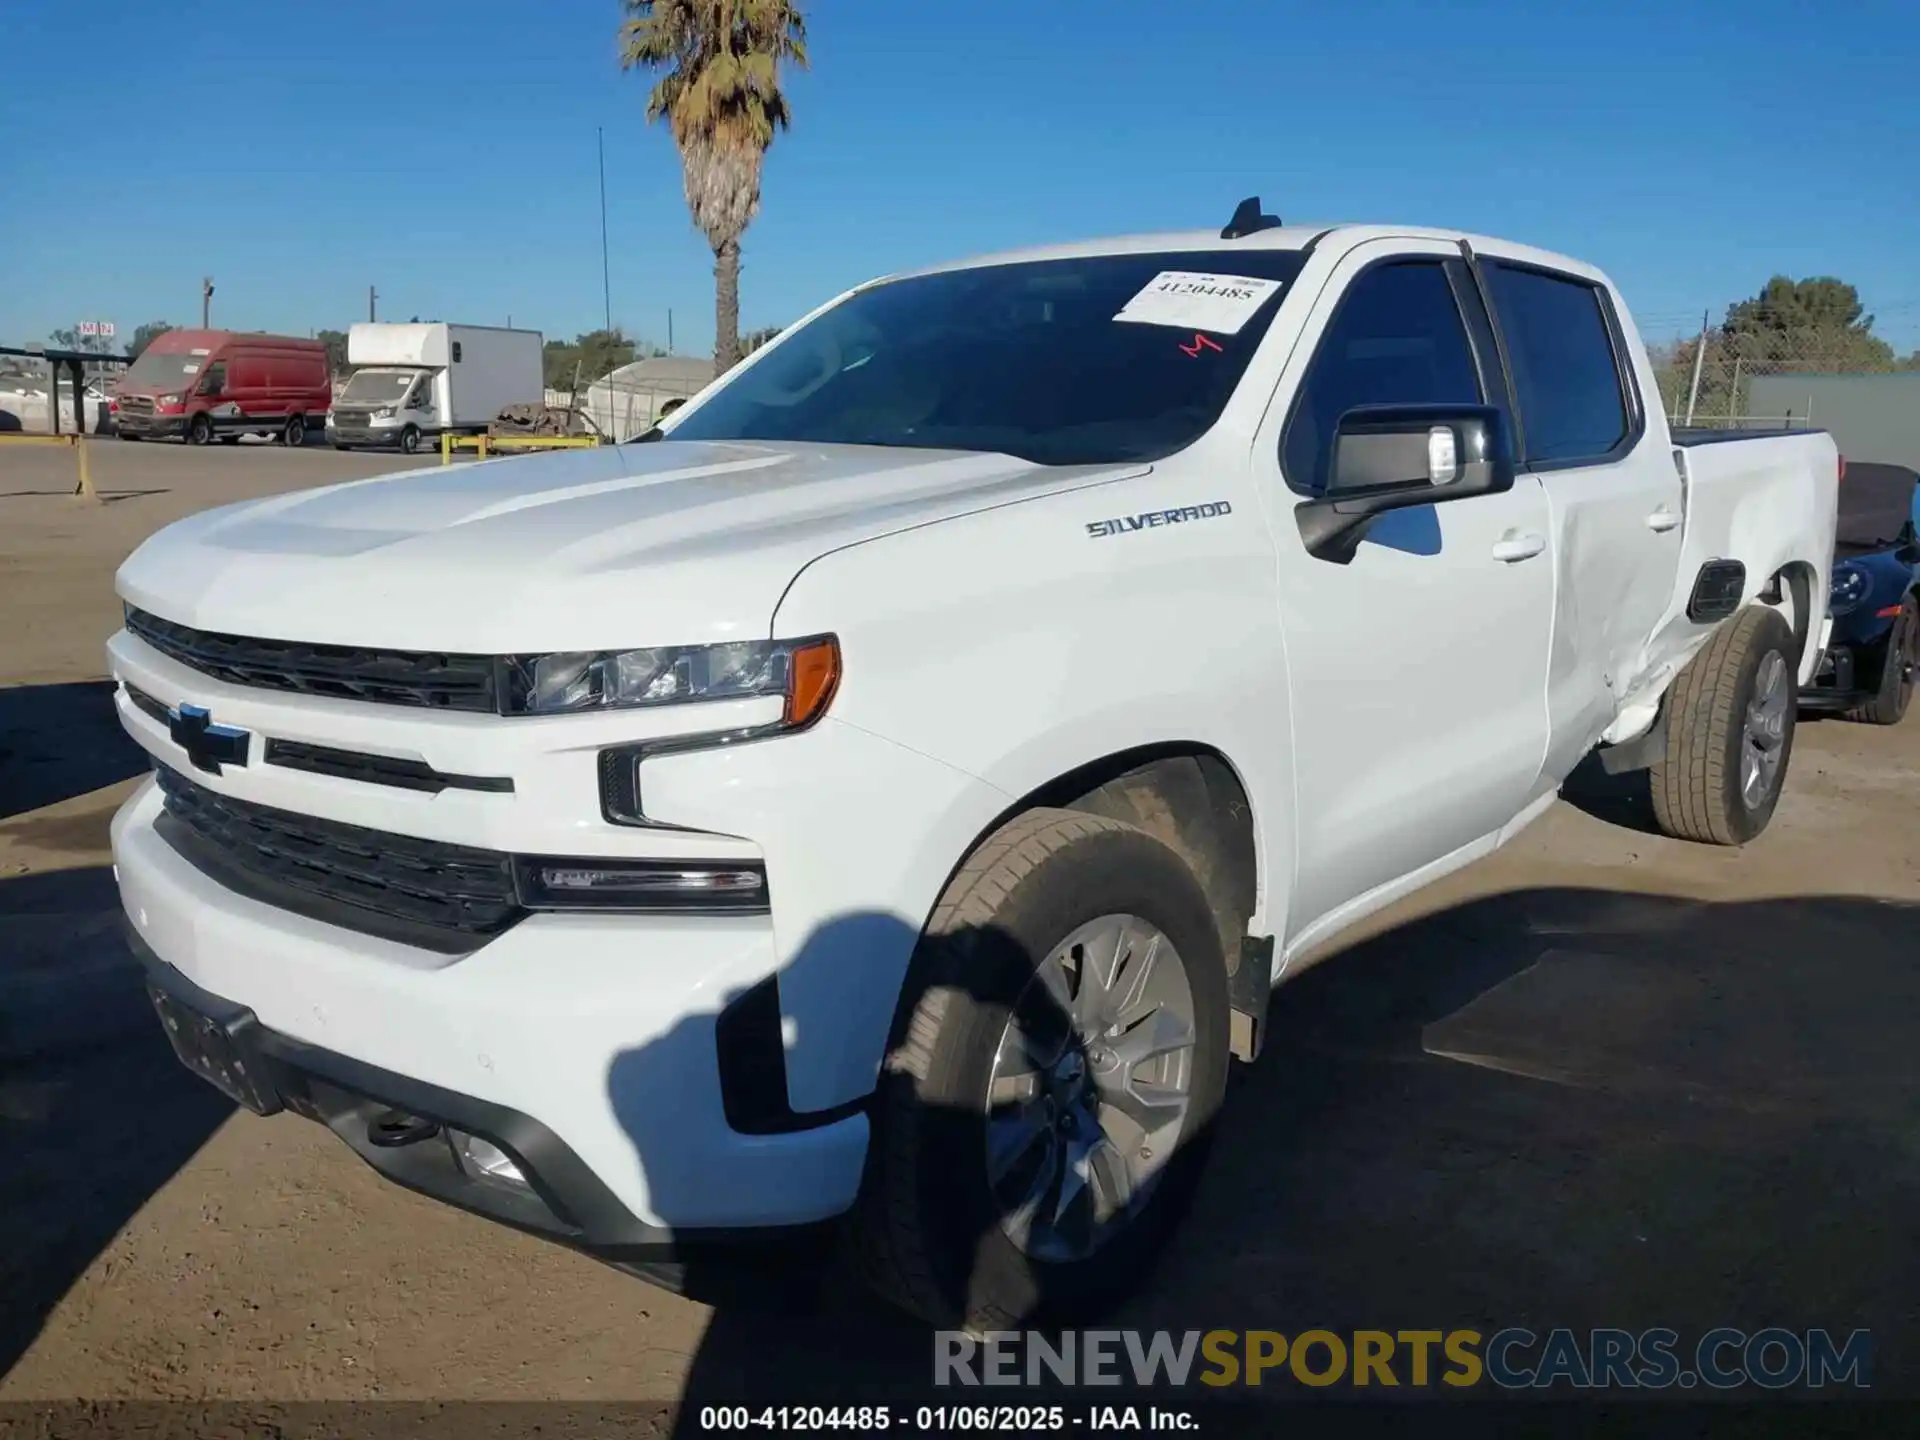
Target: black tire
x,y
410,440
229,439
200,429
122,435
295,435
341,445
927,1228
1889,703
1697,788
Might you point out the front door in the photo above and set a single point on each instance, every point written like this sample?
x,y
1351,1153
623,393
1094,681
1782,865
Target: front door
x,y
1418,670
1615,492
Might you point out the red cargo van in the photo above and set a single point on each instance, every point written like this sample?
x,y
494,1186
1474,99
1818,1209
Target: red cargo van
x,y
214,384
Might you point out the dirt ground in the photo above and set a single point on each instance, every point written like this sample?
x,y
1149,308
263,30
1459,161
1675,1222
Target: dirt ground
x,y
1599,1079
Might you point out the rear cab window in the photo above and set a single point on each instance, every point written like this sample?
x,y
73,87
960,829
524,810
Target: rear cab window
x,y
1563,353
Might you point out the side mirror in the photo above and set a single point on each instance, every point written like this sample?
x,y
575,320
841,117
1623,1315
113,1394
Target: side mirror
x,y
1394,457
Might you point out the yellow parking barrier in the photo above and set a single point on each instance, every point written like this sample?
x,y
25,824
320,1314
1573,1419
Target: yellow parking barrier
x,y
78,443
486,443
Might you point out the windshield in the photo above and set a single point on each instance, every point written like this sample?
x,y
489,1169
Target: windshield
x,y
1031,359
377,387
162,371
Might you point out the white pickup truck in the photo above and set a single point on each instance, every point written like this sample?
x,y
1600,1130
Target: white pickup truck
x,y
880,802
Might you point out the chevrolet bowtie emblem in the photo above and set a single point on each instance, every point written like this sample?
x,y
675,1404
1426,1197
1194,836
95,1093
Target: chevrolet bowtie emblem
x,y
208,746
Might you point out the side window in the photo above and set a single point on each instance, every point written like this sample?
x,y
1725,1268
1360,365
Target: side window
x,y
215,379
1565,373
1397,339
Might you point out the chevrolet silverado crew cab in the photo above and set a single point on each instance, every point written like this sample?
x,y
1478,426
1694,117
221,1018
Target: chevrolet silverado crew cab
x,y
879,801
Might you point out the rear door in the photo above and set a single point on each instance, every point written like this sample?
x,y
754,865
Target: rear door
x,y
1418,670
1614,491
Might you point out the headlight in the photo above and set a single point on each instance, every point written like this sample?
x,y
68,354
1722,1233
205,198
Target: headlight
x,y
383,414
1850,586
803,672
167,400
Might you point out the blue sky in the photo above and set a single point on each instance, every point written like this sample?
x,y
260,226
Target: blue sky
x,y
446,152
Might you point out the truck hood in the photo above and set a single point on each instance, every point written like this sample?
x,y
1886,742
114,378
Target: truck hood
x,y
660,543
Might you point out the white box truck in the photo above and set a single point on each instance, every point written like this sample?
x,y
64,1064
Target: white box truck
x,y
413,382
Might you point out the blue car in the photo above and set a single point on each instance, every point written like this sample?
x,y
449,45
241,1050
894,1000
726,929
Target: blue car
x,y
1868,672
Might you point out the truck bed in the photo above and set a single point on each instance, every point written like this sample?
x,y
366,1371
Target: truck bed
x,y
1753,501
1700,435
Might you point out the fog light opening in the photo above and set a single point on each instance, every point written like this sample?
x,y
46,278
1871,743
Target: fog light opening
x,y
483,1160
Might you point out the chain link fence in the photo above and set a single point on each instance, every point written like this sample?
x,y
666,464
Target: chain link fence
x,y
1768,369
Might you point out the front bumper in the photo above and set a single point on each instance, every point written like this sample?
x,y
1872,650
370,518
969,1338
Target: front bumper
x,y
382,437
406,1130
592,1049
158,427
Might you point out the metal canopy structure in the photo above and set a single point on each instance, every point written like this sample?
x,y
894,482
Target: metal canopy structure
x,y
76,362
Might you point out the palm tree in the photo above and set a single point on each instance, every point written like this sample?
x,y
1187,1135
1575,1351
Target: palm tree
x,y
719,92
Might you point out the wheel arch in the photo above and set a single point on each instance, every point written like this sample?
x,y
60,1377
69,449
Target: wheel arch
x,y
1192,797
1791,590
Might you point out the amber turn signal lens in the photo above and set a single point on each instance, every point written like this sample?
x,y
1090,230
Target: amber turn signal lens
x,y
816,673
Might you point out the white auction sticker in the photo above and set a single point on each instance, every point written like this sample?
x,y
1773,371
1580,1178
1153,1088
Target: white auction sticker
x,y
1188,300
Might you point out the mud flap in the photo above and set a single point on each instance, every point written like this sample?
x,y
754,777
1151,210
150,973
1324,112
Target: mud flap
x,y
1249,988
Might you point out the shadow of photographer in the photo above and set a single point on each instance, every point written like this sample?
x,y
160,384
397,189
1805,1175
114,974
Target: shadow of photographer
x,y
1574,1107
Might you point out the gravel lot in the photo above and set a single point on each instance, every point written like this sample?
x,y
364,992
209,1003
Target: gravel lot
x,y
1600,1079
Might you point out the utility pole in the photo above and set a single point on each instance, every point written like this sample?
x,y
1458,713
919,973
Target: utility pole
x,y
371,297
669,332
206,302
606,282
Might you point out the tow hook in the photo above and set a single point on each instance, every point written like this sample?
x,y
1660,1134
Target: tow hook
x,y
395,1128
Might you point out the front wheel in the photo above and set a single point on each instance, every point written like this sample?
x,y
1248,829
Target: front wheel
x,y
1889,703
1730,726
1060,1055
200,429
410,440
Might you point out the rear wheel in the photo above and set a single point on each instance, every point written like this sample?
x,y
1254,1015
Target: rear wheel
x,y
1730,727
229,439
199,429
1889,704
1045,1109
296,431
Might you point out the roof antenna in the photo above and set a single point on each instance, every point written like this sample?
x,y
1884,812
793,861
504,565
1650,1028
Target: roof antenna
x,y
1247,219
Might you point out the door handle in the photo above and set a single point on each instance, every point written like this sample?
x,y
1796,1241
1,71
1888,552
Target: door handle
x,y
1663,519
1511,547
